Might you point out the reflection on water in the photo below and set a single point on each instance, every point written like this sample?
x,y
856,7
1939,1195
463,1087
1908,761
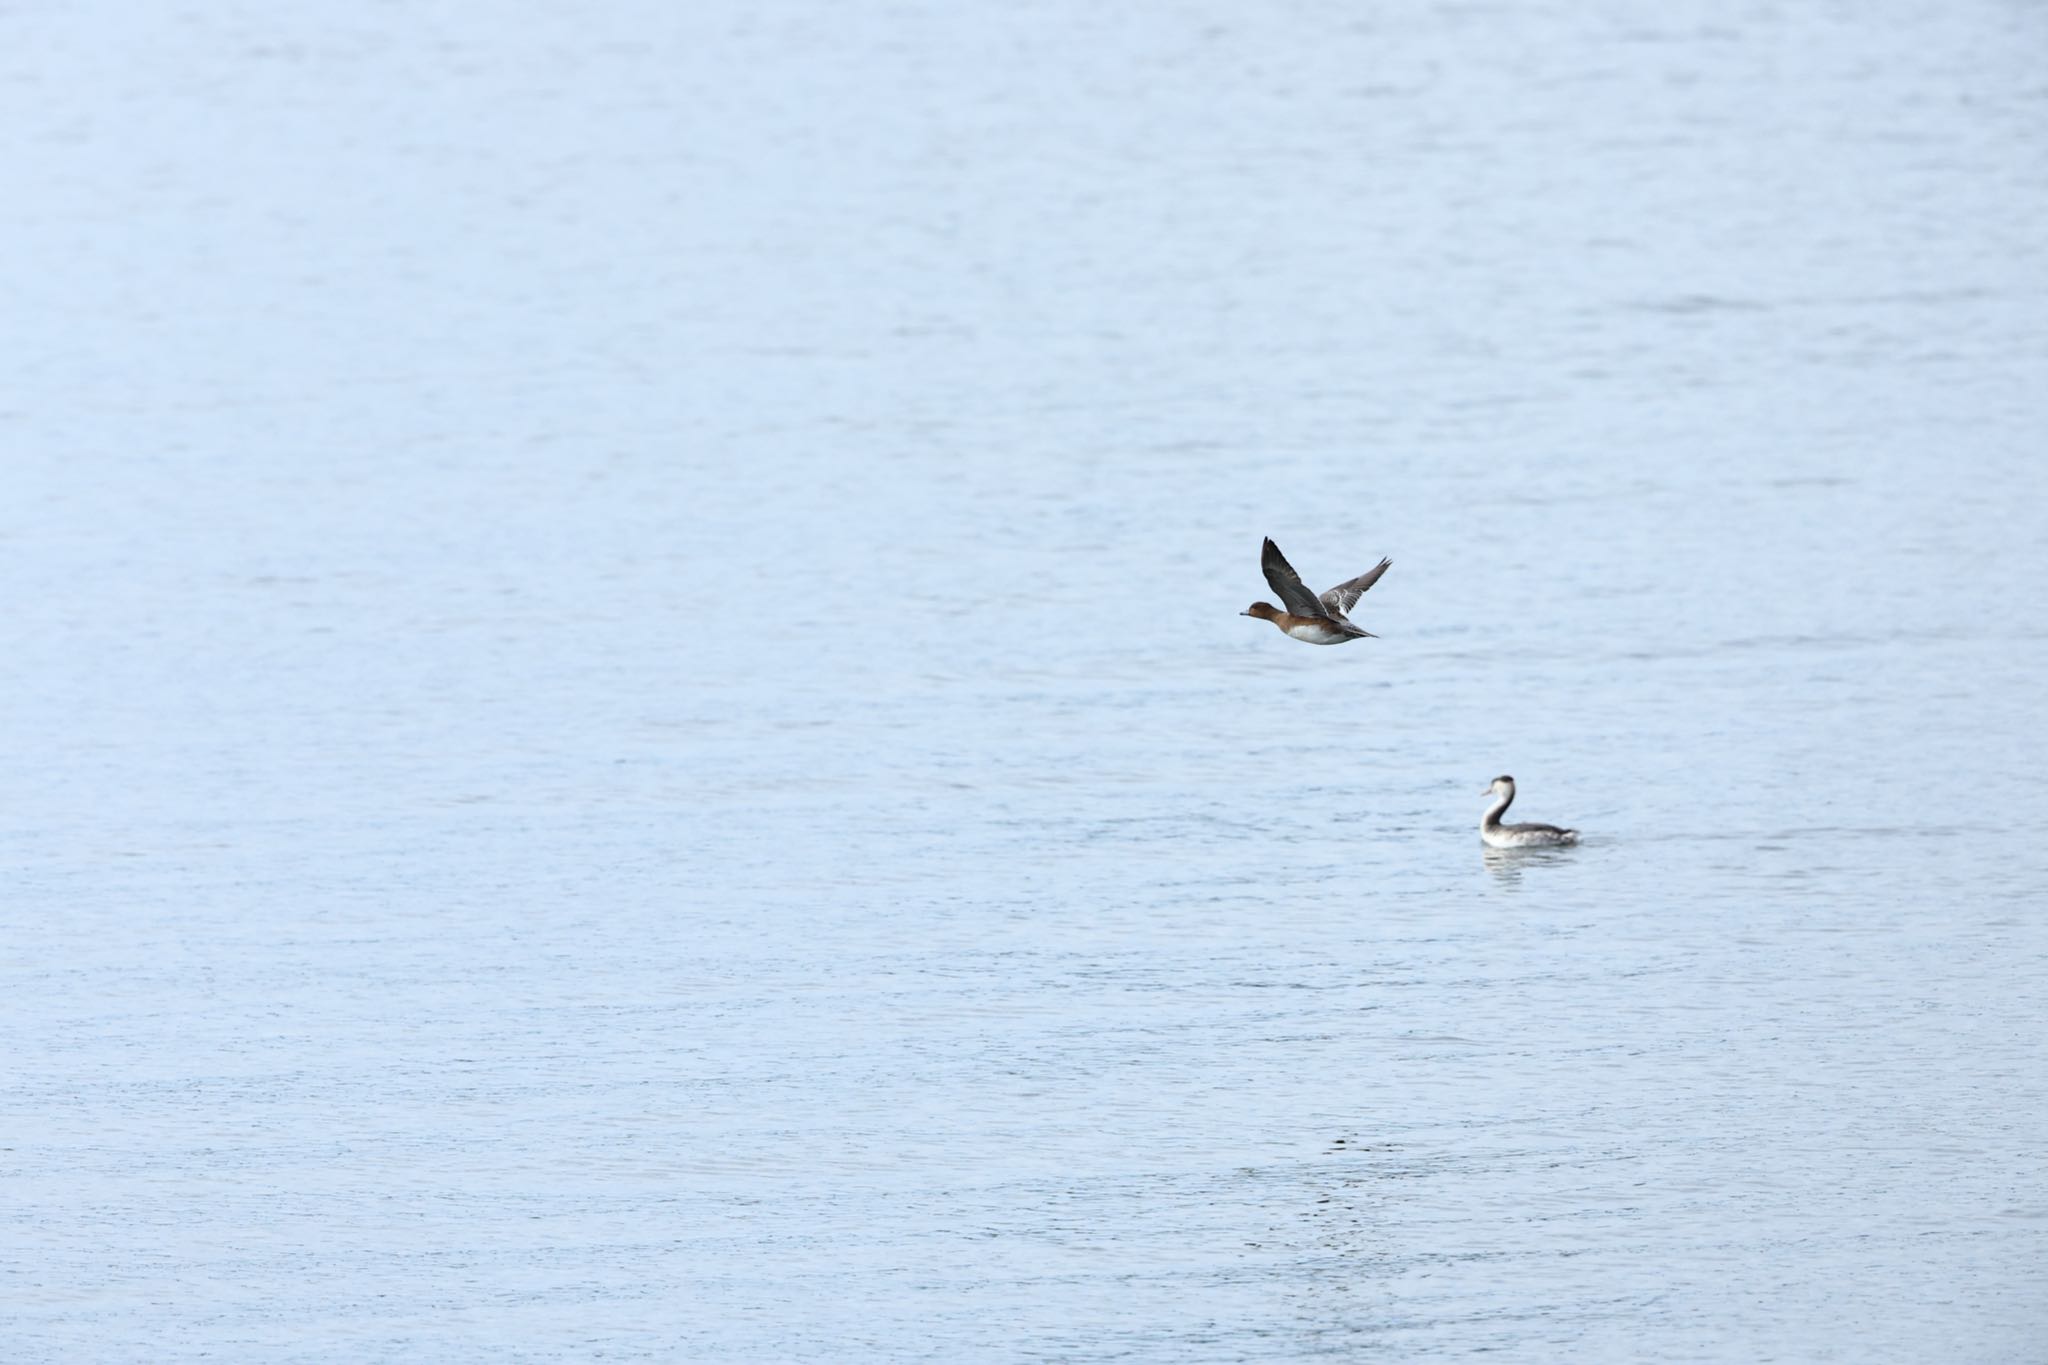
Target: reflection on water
x,y
628,735
1508,864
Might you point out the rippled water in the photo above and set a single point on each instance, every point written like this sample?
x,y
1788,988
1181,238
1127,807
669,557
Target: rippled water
x,y
627,734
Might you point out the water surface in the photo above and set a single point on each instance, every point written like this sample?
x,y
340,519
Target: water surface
x,y
628,738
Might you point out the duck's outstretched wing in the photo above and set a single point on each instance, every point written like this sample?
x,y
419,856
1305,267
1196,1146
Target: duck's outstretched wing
x,y
1344,596
1287,584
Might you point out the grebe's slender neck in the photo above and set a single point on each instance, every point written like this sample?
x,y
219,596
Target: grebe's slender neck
x,y
1499,807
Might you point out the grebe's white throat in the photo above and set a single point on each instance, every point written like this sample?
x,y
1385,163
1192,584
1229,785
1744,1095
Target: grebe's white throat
x,y
1496,835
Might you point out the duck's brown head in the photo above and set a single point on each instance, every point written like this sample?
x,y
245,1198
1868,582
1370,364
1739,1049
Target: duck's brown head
x,y
1265,611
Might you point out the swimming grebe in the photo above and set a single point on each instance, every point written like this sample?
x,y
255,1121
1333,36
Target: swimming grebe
x,y
1496,835
1318,620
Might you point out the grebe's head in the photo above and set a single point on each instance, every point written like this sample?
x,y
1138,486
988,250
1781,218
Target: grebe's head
x,y
1265,611
1500,786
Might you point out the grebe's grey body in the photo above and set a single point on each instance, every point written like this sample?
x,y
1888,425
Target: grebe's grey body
x,y
1496,835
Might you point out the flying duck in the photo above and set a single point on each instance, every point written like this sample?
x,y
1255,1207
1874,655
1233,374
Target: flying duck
x,y
1317,620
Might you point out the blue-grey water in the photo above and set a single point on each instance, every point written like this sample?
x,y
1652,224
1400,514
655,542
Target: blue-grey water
x,y
626,734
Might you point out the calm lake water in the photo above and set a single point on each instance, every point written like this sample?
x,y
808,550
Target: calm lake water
x,y
627,734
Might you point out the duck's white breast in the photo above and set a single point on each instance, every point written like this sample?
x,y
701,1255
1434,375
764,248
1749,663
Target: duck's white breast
x,y
1318,633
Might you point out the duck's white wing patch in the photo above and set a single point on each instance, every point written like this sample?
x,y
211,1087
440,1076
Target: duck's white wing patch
x,y
1342,598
